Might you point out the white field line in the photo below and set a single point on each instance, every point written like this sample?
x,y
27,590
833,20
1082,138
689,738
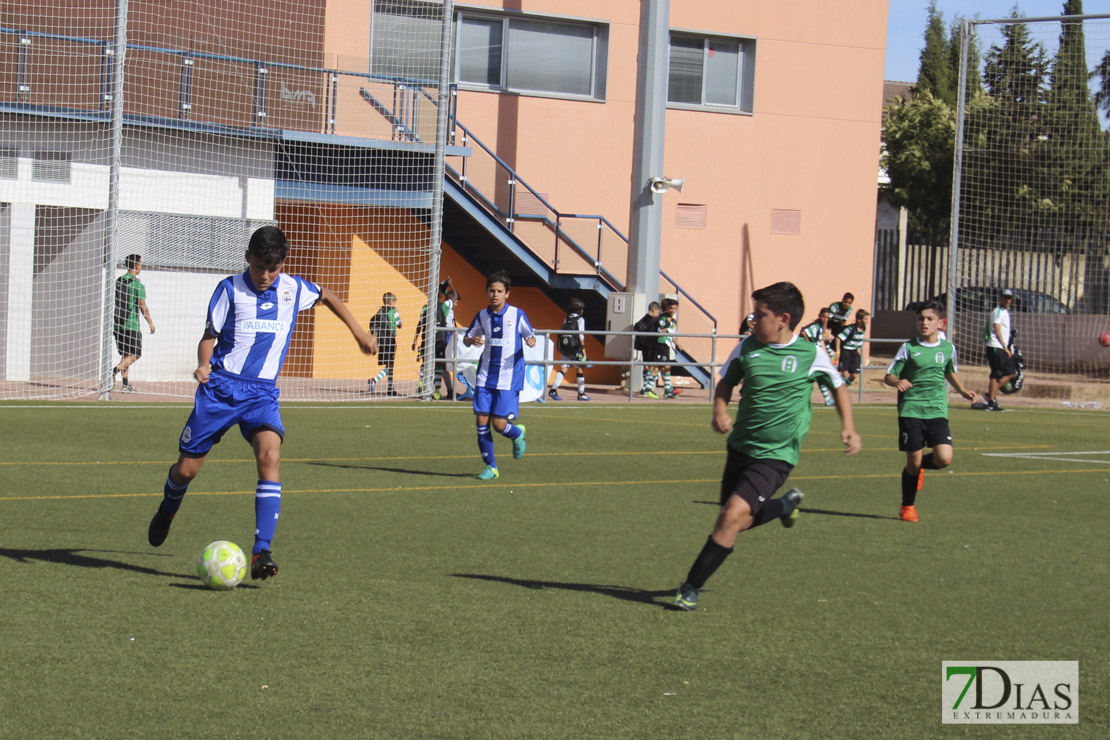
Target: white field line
x,y
1053,456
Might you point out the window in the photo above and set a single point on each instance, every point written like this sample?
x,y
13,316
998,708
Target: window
x,y
712,73
50,166
404,39
531,55
9,163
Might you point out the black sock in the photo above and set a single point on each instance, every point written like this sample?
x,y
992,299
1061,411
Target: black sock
x,y
909,488
707,562
772,510
927,462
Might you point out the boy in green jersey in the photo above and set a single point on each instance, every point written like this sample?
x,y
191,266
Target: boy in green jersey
x,y
384,326
919,372
777,369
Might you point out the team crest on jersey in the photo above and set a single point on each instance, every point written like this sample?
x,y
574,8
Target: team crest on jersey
x,y
790,364
287,296
186,436
939,358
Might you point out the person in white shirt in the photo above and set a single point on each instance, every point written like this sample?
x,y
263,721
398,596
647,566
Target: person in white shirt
x,y
996,335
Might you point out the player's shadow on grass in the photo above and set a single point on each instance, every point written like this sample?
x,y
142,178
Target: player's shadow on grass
x,y
73,556
638,595
826,512
406,471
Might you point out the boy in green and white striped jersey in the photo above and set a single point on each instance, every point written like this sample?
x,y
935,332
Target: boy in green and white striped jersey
x,y
849,347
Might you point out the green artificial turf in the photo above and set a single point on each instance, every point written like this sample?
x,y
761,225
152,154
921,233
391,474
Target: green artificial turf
x,y
414,600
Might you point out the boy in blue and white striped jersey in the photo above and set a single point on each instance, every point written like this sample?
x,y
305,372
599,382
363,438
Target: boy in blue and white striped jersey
x,y
501,331
246,338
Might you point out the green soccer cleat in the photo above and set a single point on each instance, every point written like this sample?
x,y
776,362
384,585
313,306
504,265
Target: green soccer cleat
x,y
687,597
791,498
519,445
490,473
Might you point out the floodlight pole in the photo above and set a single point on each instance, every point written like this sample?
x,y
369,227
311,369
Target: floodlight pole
x,y
646,216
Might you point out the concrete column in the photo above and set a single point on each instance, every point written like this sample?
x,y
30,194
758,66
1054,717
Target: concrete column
x,y
647,149
21,273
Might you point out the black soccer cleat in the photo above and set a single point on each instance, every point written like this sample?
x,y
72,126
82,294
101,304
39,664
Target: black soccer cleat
x,y
159,527
263,566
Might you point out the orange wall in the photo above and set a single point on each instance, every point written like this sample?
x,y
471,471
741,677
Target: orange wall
x,y
811,145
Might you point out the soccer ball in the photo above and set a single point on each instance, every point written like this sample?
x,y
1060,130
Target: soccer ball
x,y
1104,339
222,565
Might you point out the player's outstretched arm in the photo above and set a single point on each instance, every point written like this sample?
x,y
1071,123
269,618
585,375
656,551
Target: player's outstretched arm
x,y
848,434
722,422
366,340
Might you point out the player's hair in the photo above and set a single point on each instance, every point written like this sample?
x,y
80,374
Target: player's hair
x,y
388,298
576,306
668,302
269,245
132,260
848,297
500,277
933,306
654,306
863,313
823,312
782,298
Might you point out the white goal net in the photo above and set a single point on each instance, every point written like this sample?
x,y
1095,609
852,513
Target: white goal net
x,y
171,131
1032,205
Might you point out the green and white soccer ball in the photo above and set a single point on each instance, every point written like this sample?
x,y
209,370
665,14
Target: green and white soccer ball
x,y
222,565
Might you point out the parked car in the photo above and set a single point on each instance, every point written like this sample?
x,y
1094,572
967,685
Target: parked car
x,y
979,298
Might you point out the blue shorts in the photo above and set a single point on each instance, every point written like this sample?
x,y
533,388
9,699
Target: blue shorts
x,y
492,402
223,402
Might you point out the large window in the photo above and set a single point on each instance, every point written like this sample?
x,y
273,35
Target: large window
x,y
711,72
531,55
404,39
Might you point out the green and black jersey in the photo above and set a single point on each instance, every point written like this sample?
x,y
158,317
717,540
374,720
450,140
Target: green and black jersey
x,y
774,412
927,367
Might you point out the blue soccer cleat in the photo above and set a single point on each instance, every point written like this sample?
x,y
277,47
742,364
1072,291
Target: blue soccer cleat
x,y
519,445
490,473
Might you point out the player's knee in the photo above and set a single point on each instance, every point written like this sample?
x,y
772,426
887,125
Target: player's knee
x,y
498,425
734,514
942,459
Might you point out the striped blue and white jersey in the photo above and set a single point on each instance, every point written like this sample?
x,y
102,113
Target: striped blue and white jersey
x,y
253,328
502,363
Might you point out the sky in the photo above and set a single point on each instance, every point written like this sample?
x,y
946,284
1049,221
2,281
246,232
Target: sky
x,y
906,24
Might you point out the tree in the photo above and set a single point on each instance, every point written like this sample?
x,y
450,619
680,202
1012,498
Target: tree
x,y
920,136
936,73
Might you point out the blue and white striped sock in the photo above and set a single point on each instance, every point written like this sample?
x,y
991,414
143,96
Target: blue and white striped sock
x,y
172,493
510,431
267,507
485,445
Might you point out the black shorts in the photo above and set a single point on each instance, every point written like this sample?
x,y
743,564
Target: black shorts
x,y
917,434
850,361
387,350
660,353
1001,365
753,480
129,342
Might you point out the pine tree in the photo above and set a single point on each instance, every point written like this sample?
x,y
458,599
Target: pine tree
x,y
935,73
